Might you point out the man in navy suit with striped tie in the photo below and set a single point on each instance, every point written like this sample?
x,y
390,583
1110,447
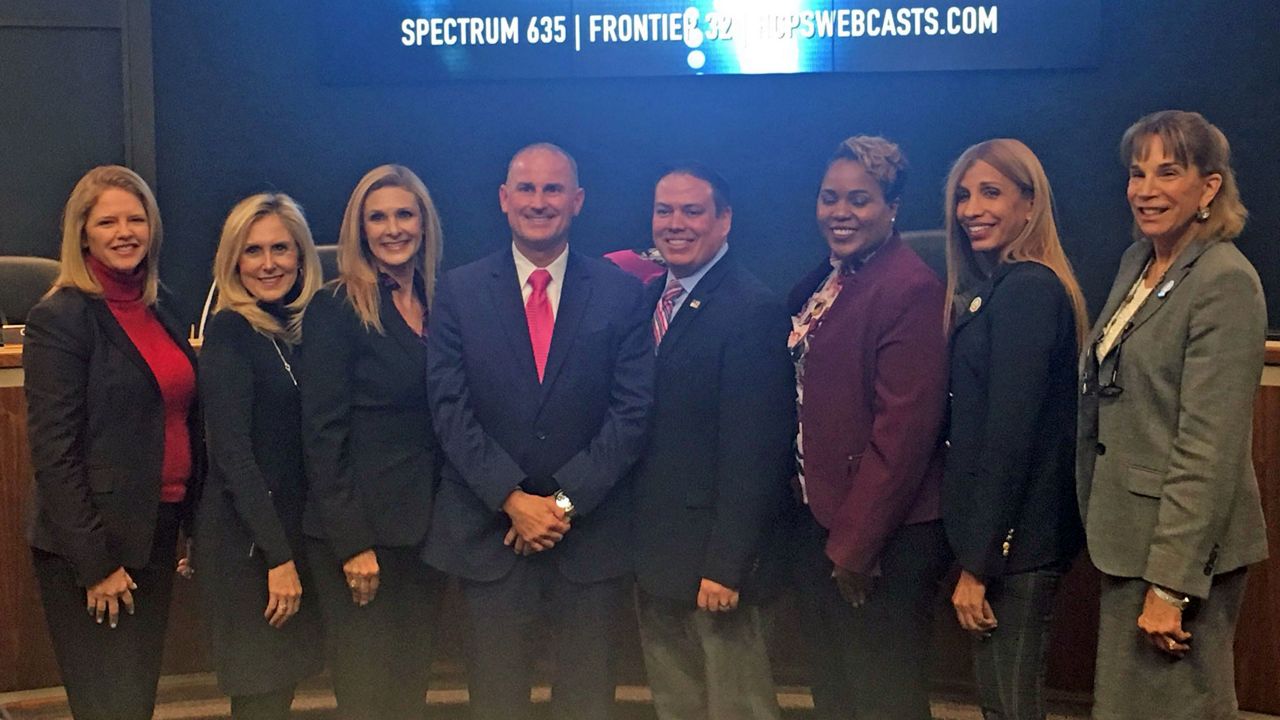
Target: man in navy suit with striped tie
x,y
712,483
540,375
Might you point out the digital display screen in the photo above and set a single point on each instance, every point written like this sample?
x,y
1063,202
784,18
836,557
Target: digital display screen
x,y
477,39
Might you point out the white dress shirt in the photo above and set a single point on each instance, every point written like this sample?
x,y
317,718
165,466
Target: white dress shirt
x,y
525,268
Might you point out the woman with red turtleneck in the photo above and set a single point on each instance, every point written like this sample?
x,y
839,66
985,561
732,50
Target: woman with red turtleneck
x,y
115,444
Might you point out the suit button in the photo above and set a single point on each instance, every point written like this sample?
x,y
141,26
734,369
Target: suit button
x,y
1100,448
946,443
951,394
541,435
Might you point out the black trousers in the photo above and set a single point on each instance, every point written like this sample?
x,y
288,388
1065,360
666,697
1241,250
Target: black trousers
x,y
380,654
111,673
506,616
872,662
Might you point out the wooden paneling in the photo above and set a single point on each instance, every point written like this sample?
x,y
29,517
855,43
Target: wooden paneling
x,y
1258,634
26,658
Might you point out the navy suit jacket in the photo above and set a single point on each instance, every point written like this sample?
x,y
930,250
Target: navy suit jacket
x,y
1010,467
579,430
715,477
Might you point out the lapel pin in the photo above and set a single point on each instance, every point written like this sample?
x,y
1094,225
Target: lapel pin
x,y
1164,289
975,304
695,304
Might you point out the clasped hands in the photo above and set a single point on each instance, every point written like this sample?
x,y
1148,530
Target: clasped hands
x,y
854,587
537,523
104,598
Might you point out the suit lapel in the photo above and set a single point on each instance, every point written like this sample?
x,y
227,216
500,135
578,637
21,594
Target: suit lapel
x,y
693,306
981,297
399,330
508,305
574,299
175,330
118,337
1166,286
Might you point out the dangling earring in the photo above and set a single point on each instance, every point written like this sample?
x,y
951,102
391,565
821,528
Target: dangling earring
x,y
1202,214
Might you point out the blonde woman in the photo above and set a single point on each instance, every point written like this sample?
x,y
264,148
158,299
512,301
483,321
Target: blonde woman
x,y
371,452
1164,474
260,611
111,403
1016,315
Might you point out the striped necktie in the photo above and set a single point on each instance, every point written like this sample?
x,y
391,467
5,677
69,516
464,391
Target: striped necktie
x,y
666,308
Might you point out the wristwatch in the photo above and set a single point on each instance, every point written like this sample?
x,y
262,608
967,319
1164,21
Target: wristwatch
x,y
1179,601
564,503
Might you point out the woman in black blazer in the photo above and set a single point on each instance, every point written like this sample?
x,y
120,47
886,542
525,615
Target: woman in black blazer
x,y
1016,315
371,452
255,587
110,383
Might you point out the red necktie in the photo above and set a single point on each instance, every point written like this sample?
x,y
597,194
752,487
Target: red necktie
x,y
666,308
537,312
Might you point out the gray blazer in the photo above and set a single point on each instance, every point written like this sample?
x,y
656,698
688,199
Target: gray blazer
x,y
1163,470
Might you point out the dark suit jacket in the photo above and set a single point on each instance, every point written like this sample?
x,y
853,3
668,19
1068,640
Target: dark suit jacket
x,y
714,478
1163,469
875,385
1010,468
96,422
580,430
371,454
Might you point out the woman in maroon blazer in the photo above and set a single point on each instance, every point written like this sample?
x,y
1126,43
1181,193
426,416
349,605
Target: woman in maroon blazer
x,y
871,381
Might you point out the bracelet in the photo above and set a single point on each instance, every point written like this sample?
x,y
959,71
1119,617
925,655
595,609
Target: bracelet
x,y
1174,600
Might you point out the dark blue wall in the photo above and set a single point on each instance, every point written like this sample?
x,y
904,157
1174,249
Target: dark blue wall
x,y
241,106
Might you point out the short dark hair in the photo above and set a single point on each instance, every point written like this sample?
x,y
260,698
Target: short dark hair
x,y
719,186
881,158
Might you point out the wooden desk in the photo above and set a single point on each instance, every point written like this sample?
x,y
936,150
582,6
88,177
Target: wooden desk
x,y
26,660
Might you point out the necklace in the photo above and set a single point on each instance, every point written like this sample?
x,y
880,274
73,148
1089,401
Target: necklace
x,y
287,367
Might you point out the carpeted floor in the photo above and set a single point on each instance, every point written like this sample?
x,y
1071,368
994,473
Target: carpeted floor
x,y
195,697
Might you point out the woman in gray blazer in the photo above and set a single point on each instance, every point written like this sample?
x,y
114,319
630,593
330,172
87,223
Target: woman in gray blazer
x,y
1164,476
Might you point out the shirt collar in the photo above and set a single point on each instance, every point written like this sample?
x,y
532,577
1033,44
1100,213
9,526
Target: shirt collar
x,y
689,282
525,266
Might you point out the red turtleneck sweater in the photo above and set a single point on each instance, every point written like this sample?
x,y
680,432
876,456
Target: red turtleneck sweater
x,y
169,365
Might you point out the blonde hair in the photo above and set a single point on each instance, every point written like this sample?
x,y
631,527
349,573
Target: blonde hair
x,y
1037,242
1194,142
357,268
881,158
232,294
74,271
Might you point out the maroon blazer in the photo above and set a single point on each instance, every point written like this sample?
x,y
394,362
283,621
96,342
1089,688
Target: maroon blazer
x,y
875,385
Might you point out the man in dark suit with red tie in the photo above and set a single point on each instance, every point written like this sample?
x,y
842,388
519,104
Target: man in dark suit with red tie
x,y
540,375
714,479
